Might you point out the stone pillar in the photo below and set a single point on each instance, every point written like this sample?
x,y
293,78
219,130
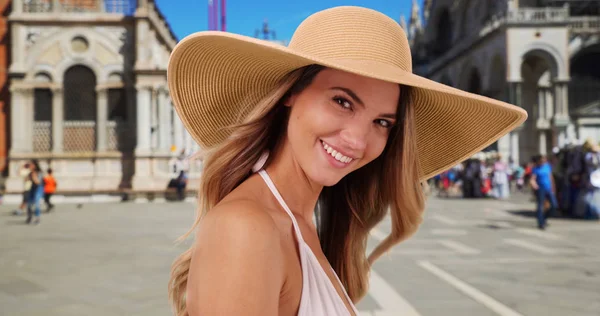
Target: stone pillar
x,y
154,120
101,119
560,120
57,120
189,143
143,178
542,142
504,147
21,119
541,108
143,120
17,6
561,101
515,92
164,121
514,146
179,131
549,101
17,46
131,117
143,53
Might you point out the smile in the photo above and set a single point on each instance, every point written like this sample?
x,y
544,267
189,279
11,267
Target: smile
x,y
335,154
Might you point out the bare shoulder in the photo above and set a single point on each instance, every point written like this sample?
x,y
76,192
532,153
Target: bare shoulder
x,y
237,251
240,218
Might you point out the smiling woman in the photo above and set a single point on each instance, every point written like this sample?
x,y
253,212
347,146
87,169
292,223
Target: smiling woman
x,y
348,133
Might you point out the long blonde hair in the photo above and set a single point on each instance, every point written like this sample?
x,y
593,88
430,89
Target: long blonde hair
x,y
346,212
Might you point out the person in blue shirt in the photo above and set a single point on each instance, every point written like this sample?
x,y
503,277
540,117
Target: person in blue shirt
x,y
541,182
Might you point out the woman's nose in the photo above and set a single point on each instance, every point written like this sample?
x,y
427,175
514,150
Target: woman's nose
x,y
355,136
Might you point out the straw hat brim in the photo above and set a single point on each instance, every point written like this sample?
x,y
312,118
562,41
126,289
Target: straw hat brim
x,y
216,77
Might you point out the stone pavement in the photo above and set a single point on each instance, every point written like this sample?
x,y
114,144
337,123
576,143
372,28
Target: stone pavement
x,y
470,257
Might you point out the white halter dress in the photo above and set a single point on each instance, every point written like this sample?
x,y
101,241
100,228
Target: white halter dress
x,y
319,296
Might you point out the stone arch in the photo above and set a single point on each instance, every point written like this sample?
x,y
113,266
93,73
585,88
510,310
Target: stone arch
x,y
67,63
551,56
584,87
42,77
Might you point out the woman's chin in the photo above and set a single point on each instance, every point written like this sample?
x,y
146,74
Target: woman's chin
x,y
325,178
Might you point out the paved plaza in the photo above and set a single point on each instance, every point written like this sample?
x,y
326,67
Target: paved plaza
x,y
470,257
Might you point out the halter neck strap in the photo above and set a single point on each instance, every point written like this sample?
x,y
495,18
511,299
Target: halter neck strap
x,y
273,189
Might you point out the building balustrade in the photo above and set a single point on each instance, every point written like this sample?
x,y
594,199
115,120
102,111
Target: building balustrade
x,y
516,16
126,7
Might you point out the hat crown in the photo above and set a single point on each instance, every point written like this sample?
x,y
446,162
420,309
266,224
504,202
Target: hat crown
x,y
353,33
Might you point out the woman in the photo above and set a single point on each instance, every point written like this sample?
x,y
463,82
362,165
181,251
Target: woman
x,y
36,192
334,125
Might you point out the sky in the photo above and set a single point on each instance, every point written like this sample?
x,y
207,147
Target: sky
x,y
245,17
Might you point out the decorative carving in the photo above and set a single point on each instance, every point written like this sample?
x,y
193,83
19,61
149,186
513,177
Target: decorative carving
x,y
33,33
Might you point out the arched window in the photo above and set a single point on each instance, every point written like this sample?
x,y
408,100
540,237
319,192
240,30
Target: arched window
x,y
79,109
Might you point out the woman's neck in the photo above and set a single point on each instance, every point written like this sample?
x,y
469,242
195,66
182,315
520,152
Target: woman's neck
x,y
299,192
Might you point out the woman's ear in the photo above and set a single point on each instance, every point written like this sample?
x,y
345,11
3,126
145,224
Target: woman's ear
x,y
289,101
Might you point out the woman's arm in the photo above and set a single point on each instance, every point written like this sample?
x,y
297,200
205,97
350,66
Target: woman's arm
x,y
237,266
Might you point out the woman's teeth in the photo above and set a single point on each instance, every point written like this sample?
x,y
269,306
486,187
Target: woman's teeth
x,y
335,154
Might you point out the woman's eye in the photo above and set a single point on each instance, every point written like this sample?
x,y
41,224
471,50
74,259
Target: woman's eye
x,y
343,102
384,123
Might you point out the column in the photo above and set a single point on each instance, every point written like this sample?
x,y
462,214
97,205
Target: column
x,y
189,143
17,46
131,117
504,147
17,6
143,119
154,120
57,120
514,146
21,119
179,131
101,119
542,113
560,120
542,142
549,101
561,103
164,121
514,92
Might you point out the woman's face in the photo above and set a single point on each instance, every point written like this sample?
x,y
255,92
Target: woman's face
x,y
340,123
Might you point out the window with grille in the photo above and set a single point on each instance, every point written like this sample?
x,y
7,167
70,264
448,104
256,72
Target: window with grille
x,y
79,109
42,120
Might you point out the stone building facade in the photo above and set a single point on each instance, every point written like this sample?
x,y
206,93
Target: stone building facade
x,y
539,54
4,93
89,94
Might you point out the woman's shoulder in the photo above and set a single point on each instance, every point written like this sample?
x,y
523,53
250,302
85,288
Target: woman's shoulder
x,y
242,221
236,252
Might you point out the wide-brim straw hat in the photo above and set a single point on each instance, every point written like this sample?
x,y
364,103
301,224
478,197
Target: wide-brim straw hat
x,y
215,78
